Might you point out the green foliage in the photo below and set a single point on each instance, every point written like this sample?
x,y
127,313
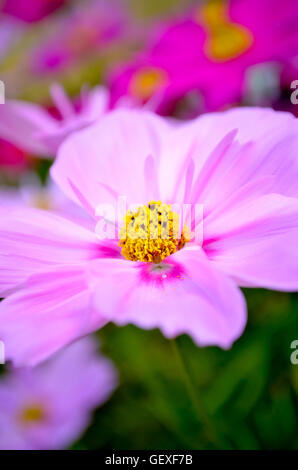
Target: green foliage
x,y
248,394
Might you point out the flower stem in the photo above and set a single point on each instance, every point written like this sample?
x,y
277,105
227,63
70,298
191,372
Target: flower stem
x,y
202,415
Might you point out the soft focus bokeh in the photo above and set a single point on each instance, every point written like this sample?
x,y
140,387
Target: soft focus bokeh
x,y
171,394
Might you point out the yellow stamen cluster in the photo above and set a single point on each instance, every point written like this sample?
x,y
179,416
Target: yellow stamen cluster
x,y
225,39
41,201
147,81
32,414
152,233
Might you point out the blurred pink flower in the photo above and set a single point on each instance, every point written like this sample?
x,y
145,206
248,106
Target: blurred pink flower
x,y
50,406
30,127
32,194
205,56
90,26
65,281
32,10
12,159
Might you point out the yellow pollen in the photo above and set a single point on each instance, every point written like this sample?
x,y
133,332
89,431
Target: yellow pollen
x,y
41,201
226,40
146,81
152,233
32,414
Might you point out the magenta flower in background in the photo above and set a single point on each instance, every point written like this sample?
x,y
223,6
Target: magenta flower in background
x,y
12,159
207,55
50,406
62,281
34,130
32,10
89,26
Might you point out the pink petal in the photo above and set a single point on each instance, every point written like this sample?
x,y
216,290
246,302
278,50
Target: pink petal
x,y
195,298
90,158
255,242
20,124
51,310
31,239
268,215
94,105
15,270
265,145
271,263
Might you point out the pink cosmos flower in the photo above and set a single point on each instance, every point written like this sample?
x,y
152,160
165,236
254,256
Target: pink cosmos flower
x,y
48,407
31,11
34,130
90,26
205,57
61,281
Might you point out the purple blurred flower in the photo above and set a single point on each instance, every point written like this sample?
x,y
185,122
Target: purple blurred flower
x,y
31,128
89,26
50,406
209,53
31,10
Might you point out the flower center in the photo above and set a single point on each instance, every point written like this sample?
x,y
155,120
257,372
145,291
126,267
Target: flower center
x,y
152,233
146,81
32,414
226,40
41,201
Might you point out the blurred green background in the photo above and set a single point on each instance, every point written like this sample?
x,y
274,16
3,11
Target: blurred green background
x,y
174,395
